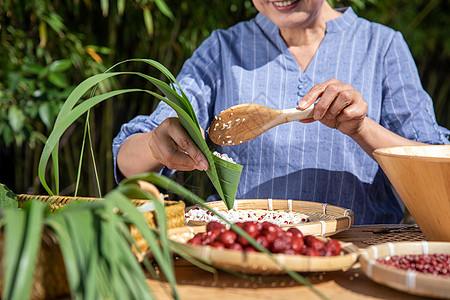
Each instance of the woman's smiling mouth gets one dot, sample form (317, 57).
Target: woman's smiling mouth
(285, 4)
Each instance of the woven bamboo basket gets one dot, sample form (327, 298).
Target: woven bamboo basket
(174, 209)
(412, 282)
(260, 263)
(50, 279)
(325, 219)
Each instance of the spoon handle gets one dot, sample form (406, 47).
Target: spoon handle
(294, 114)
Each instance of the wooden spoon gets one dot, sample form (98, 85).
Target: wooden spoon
(243, 122)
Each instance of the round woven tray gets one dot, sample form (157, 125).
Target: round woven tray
(325, 219)
(260, 263)
(407, 281)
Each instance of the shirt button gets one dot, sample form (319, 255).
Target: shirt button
(302, 85)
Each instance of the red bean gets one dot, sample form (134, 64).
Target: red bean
(436, 264)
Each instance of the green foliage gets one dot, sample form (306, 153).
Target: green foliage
(7, 197)
(95, 242)
(41, 59)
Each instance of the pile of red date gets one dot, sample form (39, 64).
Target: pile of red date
(269, 236)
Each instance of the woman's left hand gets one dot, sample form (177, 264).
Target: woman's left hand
(340, 106)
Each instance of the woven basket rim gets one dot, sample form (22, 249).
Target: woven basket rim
(260, 263)
(341, 220)
(412, 282)
(55, 198)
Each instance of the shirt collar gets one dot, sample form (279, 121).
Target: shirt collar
(347, 18)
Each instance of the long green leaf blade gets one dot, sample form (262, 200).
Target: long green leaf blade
(171, 185)
(162, 256)
(225, 180)
(23, 241)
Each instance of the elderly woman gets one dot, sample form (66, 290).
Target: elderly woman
(361, 76)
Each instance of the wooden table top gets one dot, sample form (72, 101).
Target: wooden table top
(194, 283)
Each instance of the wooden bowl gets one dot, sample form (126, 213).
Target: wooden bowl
(407, 281)
(261, 263)
(325, 219)
(421, 176)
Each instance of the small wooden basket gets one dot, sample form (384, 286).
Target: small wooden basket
(407, 281)
(260, 263)
(325, 219)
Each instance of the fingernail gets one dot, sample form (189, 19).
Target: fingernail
(316, 115)
(204, 165)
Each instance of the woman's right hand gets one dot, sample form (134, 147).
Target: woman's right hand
(171, 145)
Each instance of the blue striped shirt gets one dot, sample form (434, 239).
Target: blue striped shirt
(250, 62)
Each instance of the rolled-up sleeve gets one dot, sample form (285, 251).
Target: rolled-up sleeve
(140, 124)
(407, 108)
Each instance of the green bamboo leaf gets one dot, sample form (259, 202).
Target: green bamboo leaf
(14, 231)
(59, 66)
(162, 256)
(147, 264)
(42, 33)
(55, 21)
(131, 274)
(105, 267)
(225, 180)
(59, 225)
(162, 6)
(171, 185)
(165, 183)
(23, 239)
(148, 20)
(7, 197)
(193, 257)
(201, 262)
(70, 102)
(45, 113)
(227, 173)
(120, 7)
(33, 69)
(172, 79)
(105, 7)
(58, 79)
(62, 125)
(104, 282)
(110, 242)
(80, 228)
(16, 118)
